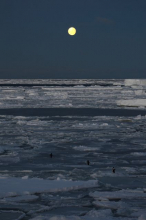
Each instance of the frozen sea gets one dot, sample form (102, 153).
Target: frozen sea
(103, 121)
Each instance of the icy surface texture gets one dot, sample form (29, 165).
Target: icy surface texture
(36, 186)
(41, 187)
(73, 93)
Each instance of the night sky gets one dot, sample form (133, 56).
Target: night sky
(110, 41)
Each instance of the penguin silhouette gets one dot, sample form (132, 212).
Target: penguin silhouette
(51, 155)
(88, 162)
(114, 170)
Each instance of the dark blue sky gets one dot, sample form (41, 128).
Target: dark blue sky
(110, 40)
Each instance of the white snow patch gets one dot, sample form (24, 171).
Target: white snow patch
(132, 102)
(25, 177)
(137, 82)
(85, 148)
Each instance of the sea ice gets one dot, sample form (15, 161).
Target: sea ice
(110, 204)
(92, 215)
(130, 82)
(121, 194)
(85, 148)
(17, 186)
(132, 102)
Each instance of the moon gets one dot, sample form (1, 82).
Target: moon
(72, 31)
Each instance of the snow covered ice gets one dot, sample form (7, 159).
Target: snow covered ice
(34, 186)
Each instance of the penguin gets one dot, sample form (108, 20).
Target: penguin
(51, 155)
(114, 170)
(88, 162)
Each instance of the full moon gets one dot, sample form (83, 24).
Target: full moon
(72, 31)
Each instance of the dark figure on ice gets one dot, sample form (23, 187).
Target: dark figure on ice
(51, 155)
(114, 170)
(88, 162)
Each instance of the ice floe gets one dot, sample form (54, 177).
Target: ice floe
(85, 148)
(110, 204)
(17, 186)
(132, 102)
(131, 82)
(121, 194)
(92, 215)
